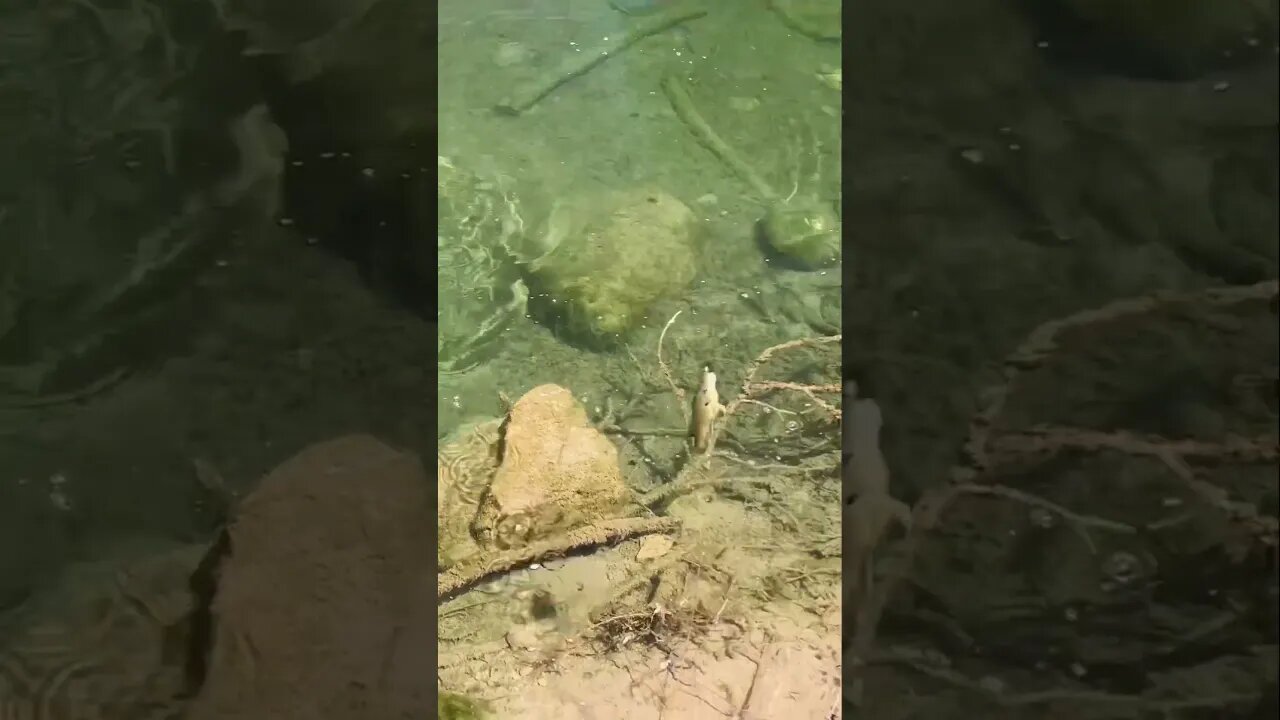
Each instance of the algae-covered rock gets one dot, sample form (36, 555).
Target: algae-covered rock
(609, 259)
(804, 235)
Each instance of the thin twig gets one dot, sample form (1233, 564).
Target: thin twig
(809, 391)
(1080, 523)
(578, 63)
(677, 94)
(984, 452)
(746, 395)
(666, 371)
(749, 384)
(1043, 341)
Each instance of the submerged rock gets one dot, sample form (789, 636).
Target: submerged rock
(608, 260)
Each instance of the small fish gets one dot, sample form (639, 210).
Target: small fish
(706, 409)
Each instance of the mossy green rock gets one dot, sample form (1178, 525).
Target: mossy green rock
(613, 259)
(804, 235)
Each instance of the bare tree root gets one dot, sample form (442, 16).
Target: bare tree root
(677, 93)
(666, 493)
(1046, 440)
(986, 451)
(605, 532)
(750, 393)
(1043, 342)
(753, 390)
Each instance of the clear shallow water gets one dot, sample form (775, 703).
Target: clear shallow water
(613, 130)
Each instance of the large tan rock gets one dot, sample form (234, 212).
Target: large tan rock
(557, 472)
(324, 603)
